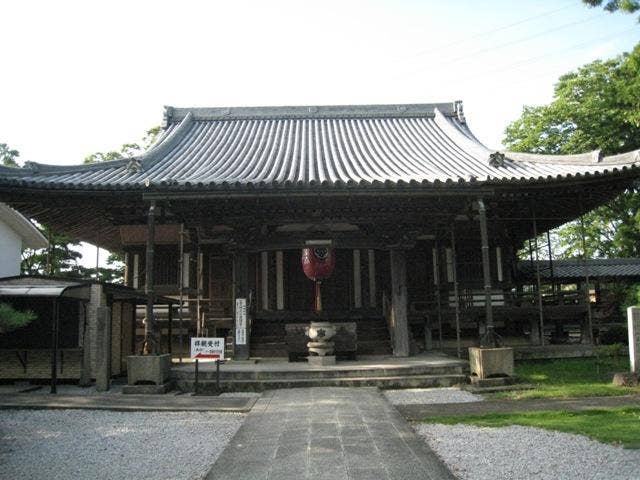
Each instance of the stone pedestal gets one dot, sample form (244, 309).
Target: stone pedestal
(316, 361)
(148, 373)
(321, 346)
(491, 362)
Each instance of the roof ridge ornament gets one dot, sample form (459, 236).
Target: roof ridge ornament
(167, 116)
(134, 165)
(33, 166)
(597, 156)
(459, 111)
(497, 159)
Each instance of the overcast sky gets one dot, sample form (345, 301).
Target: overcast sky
(87, 76)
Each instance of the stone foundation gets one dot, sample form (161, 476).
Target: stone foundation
(491, 362)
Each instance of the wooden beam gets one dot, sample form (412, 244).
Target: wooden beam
(399, 320)
(279, 280)
(488, 338)
(357, 279)
(264, 280)
(150, 330)
(372, 278)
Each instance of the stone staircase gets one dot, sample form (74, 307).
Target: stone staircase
(368, 373)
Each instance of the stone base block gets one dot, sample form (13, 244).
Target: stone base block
(491, 362)
(148, 389)
(148, 369)
(318, 361)
(625, 379)
(491, 382)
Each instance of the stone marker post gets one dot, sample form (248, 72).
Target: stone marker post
(633, 318)
(103, 349)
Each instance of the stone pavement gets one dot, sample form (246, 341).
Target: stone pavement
(326, 433)
(418, 412)
(128, 403)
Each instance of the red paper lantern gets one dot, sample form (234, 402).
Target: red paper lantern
(318, 262)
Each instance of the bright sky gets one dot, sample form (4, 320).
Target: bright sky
(80, 77)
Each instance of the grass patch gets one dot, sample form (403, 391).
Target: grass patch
(618, 426)
(569, 377)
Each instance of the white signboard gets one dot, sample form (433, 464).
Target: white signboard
(241, 321)
(633, 317)
(207, 348)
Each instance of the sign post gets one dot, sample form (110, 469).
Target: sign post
(207, 349)
(633, 319)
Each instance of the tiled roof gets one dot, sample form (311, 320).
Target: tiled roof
(307, 147)
(576, 269)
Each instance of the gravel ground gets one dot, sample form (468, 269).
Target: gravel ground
(430, 395)
(518, 452)
(79, 444)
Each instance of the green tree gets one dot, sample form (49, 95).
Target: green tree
(12, 319)
(126, 150)
(597, 106)
(59, 259)
(8, 156)
(627, 6)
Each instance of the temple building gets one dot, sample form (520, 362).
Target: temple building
(425, 222)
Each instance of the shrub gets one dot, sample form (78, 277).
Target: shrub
(615, 334)
(12, 319)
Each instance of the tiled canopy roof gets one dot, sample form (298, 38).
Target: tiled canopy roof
(333, 146)
(576, 269)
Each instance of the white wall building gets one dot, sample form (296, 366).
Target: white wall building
(16, 234)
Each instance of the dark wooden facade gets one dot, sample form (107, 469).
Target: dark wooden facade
(425, 220)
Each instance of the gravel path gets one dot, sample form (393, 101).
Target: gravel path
(518, 452)
(78, 444)
(424, 396)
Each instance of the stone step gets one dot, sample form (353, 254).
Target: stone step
(411, 381)
(329, 373)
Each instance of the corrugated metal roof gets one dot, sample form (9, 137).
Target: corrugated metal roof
(306, 146)
(576, 269)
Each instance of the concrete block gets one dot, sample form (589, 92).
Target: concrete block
(491, 362)
(145, 369)
(317, 361)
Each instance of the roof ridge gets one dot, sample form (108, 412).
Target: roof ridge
(459, 137)
(174, 115)
(594, 157)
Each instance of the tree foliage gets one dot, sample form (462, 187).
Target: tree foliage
(595, 107)
(627, 6)
(8, 156)
(126, 150)
(61, 258)
(12, 319)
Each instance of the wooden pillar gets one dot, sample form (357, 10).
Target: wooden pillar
(242, 321)
(372, 279)
(435, 253)
(264, 280)
(587, 336)
(54, 346)
(357, 280)
(279, 280)
(170, 329)
(150, 334)
(538, 281)
(399, 319)
(488, 339)
(456, 293)
(135, 278)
